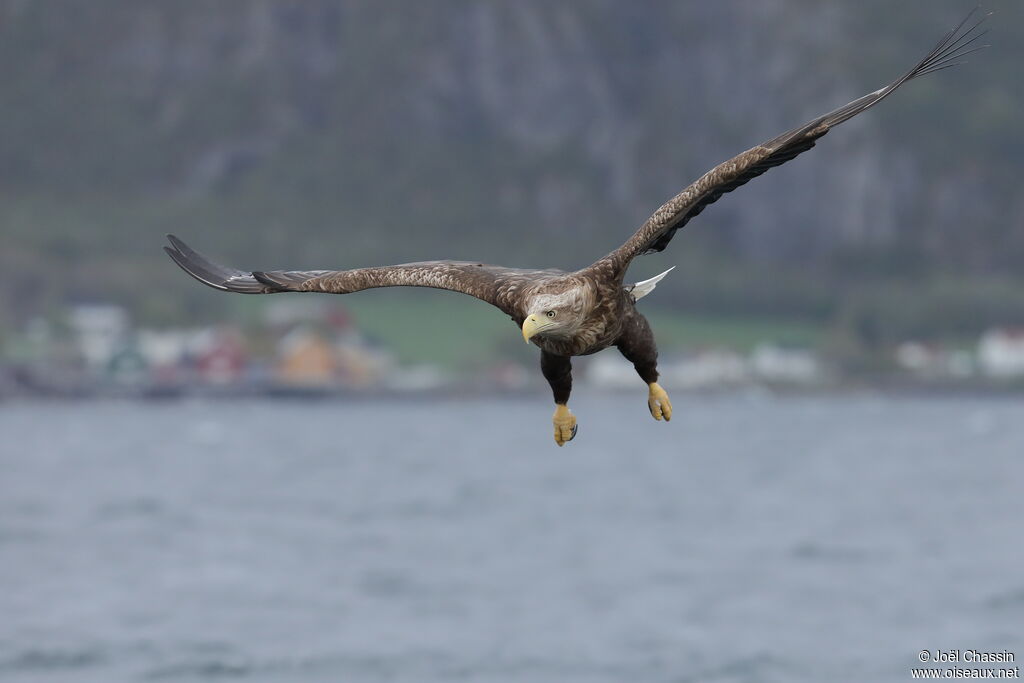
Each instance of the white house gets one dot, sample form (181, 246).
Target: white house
(100, 330)
(1001, 353)
(780, 364)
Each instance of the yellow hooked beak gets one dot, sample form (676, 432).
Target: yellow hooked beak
(531, 326)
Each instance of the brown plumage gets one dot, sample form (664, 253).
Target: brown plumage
(579, 313)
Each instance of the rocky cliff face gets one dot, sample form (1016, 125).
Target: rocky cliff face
(568, 121)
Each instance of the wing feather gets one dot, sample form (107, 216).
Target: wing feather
(496, 285)
(655, 234)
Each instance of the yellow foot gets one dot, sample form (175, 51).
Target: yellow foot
(658, 403)
(565, 424)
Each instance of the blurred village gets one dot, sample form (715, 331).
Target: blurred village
(308, 134)
(310, 352)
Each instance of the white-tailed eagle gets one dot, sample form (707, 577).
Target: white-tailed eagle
(579, 313)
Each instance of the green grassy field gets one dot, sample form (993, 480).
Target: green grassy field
(445, 328)
(453, 330)
(675, 330)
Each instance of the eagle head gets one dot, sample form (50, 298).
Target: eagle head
(558, 314)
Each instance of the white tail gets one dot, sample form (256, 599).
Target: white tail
(642, 289)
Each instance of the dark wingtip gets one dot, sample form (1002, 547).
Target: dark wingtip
(956, 44)
(178, 244)
(210, 273)
(207, 278)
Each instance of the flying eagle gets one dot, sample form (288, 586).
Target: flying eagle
(579, 313)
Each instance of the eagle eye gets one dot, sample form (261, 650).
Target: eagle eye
(550, 314)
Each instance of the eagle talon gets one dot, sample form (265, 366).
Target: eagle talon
(658, 402)
(565, 425)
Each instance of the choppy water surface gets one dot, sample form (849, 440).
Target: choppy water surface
(752, 539)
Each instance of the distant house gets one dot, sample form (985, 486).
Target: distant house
(711, 368)
(100, 331)
(360, 366)
(917, 357)
(782, 364)
(220, 357)
(166, 352)
(1001, 353)
(929, 360)
(305, 359)
(126, 366)
(163, 348)
(707, 369)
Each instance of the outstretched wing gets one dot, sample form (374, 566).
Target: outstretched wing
(655, 234)
(496, 285)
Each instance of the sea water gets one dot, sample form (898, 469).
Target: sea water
(753, 538)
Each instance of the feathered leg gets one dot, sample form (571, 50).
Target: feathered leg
(637, 345)
(558, 372)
